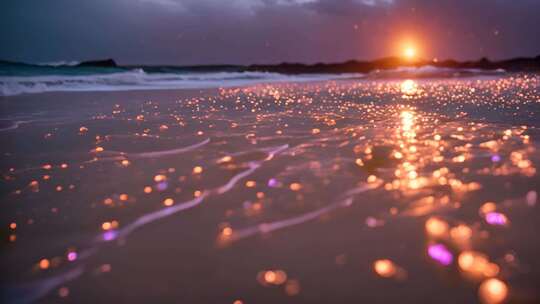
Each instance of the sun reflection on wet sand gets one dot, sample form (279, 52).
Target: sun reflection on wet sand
(409, 88)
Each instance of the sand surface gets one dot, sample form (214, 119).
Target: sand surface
(283, 193)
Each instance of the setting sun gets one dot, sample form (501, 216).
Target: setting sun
(408, 47)
(409, 52)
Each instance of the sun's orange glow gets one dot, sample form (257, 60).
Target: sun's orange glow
(409, 52)
(408, 47)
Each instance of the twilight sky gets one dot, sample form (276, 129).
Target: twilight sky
(264, 31)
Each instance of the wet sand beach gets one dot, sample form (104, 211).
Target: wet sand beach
(372, 191)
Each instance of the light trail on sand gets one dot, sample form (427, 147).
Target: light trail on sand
(36, 290)
(153, 154)
(268, 227)
(168, 211)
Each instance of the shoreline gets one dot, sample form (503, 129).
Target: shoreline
(364, 78)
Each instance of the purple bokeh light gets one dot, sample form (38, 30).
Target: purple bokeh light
(440, 253)
(496, 218)
(110, 235)
(72, 256)
(273, 183)
(162, 186)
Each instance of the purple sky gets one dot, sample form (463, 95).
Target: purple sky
(264, 31)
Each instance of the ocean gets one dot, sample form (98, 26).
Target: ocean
(21, 78)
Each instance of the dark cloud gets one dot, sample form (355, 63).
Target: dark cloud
(263, 31)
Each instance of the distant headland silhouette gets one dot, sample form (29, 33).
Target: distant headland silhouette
(519, 64)
(353, 66)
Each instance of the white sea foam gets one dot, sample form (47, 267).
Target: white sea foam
(137, 79)
(430, 71)
(59, 63)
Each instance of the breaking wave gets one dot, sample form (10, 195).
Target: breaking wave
(138, 79)
(54, 78)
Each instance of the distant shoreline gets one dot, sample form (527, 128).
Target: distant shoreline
(523, 64)
(518, 64)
